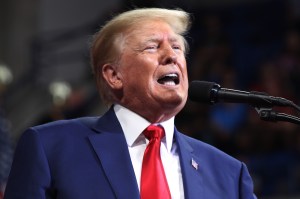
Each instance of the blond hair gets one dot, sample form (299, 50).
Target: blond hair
(106, 43)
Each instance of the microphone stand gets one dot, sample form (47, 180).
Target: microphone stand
(267, 114)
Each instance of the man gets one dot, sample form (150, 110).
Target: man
(139, 63)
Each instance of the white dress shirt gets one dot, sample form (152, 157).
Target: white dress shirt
(133, 125)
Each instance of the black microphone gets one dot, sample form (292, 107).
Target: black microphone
(210, 92)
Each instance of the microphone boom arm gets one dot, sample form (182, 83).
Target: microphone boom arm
(267, 114)
(210, 92)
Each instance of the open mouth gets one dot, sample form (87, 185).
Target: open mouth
(171, 79)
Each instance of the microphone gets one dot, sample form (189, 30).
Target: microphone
(210, 92)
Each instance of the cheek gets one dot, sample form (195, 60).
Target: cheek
(183, 67)
(144, 66)
(182, 61)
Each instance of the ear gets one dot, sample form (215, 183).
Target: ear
(112, 76)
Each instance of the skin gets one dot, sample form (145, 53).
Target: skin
(151, 49)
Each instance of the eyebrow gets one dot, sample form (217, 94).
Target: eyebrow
(157, 38)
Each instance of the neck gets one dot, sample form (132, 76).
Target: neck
(154, 115)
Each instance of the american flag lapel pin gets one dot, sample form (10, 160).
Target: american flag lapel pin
(194, 164)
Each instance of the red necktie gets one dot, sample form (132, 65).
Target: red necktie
(154, 184)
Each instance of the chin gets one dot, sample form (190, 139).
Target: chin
(175, 103)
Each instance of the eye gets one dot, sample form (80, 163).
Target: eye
(176, 47)
(151, 48)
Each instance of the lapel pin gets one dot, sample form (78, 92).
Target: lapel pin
(194, 164)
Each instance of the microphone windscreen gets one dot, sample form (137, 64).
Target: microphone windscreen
(200, 91)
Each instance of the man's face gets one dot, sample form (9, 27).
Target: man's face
(153, 70)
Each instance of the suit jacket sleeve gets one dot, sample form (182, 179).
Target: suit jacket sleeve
(246, 184)
(30, 174)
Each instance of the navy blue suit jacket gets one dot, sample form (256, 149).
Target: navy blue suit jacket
(88, 158)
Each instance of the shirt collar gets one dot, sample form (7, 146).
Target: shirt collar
(133, 125)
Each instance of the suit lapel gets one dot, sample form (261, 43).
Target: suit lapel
(111, 148)
(190, 168)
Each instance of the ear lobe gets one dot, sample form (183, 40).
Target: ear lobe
(112, 76)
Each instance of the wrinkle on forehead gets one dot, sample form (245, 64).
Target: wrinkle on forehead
(152, 33)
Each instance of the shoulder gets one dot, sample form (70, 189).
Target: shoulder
(209, 152)
(60, 135)
(83, 122)
(62, 129)
(224, 175)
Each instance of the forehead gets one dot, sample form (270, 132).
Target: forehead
(152, 29)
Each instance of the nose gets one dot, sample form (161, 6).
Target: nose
(169, 56)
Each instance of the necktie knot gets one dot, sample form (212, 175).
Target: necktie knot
(154, 132)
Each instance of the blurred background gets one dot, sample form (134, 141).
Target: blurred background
(45, 75)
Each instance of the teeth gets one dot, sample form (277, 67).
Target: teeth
(170, 79)
(171, 83)
(171, 75)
